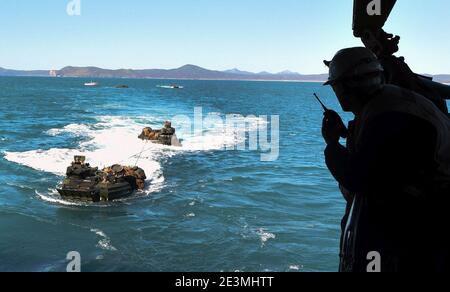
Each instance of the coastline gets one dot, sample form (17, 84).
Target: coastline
(181, 79)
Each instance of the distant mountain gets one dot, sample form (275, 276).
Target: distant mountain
(7, 72)
(184, 72)
(95, 72)
(287, 72)
(237, 71)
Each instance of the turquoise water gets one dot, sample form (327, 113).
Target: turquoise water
(205, 208)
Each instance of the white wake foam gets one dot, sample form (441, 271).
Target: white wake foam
(52, 197)
(220, 135)
(105, 242)
(265, 236)
(113, 140)
(74, 129)
(109, 142)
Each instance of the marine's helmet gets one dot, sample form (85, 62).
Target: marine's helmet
(352, 63)
(78, 159)
(117, 168)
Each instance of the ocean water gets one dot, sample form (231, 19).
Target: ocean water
(205, 208)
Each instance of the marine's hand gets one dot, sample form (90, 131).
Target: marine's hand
(333, 127)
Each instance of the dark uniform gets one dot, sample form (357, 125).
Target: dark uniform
(398, 73)
(388, 176)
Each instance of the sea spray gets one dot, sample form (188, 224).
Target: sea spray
(113, 140)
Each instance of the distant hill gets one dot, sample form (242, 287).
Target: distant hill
(237, 71)
(7, 72)
(184, 72)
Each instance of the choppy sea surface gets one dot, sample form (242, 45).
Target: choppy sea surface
(205, 208)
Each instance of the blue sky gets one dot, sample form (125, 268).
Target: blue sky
(255, 35)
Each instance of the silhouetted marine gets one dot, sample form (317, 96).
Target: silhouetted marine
(165, 136)
(394, 171)
(86, 183)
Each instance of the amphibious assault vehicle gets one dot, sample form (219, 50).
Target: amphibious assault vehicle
(165, 136)
(86, 183)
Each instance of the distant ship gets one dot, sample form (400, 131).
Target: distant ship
(173, 86)
(91, 84)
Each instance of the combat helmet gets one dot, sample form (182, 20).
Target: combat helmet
(352, 62)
